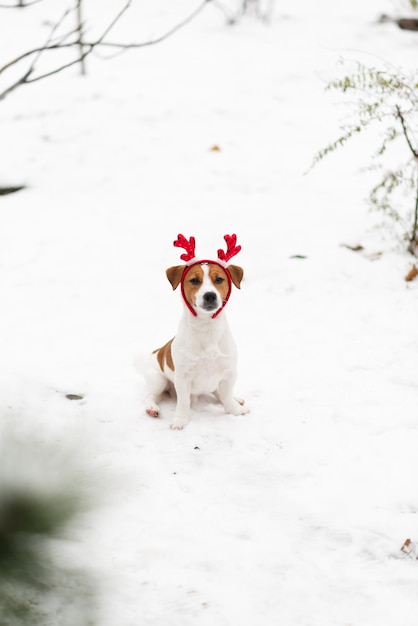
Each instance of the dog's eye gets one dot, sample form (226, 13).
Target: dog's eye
(219, 280)
(194, 281)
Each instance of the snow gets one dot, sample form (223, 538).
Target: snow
(295, 513)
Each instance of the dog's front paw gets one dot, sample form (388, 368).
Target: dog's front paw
(237, 408)
(179, 423)
(153, 410)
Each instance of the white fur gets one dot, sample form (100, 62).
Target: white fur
(205, 361)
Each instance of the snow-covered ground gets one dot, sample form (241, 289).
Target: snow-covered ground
(295, 513)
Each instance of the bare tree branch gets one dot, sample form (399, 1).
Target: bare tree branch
(80, 35)
(25, 79)
(49, 39)
(405, 132)
(161, 38)
(87, 47)
(47, 46)
(59, 44)
(26, 76)
(19, 6)
(414, 232)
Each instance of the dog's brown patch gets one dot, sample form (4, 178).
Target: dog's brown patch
(219, 279)
(164, 356)
(192, 283)
(237, 274)
(174, 275)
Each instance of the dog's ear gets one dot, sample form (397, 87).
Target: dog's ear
(174, 275)
(236, 274)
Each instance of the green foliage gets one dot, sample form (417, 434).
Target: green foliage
(39, 505)
(386, 100)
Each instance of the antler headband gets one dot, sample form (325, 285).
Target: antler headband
(189, 246)
(223, 257)
(231, 248)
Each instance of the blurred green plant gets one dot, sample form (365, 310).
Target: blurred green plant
(38, 586)
(387, 100)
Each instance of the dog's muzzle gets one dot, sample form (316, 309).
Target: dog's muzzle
(210, 301)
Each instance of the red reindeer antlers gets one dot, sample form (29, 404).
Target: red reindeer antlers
(188, 245)
(231, 248)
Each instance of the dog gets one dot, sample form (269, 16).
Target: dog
(202, 357)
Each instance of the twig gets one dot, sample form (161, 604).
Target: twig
(80, 37)
(49, 38)
(25, 79)
(46, 47)
(159, 39)
(88, 48)
(413, 237)
(405, 132)
(26, 76)
(19, 6)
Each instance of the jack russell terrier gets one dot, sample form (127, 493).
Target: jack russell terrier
(202, 357)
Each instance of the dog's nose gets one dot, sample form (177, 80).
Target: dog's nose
(209, 297)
